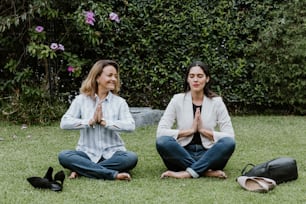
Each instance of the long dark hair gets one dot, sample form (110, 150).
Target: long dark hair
(205, 68)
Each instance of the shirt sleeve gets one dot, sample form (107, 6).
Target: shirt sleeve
(72, 120)
(224, 123)
(167, 121)
(125, 121)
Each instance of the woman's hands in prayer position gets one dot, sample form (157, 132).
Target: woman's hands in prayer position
(98, 116)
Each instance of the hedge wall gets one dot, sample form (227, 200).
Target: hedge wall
(256, 51)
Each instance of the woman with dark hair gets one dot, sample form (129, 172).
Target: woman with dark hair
(100, 114)
(195, 148)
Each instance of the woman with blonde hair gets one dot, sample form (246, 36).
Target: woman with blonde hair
(100, 114)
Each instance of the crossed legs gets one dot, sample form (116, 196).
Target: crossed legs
(114, 168)
(194, 161)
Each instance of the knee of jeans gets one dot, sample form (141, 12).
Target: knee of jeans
(229, 142)
(133, 157)
(62, 156)
(162, 141)
(130, 161)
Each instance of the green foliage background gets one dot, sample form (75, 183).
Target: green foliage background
(256, 51)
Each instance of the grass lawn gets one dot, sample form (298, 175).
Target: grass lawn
(29, 152)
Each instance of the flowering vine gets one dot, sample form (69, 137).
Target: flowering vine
(73, 62)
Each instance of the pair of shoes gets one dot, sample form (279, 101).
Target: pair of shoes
(47, 181)
(256, 184)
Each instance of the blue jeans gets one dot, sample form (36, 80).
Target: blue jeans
(78, 161)
(194, 158)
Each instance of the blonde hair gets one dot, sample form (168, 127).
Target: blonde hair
(90, 86)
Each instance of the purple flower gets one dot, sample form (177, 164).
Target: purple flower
(90, 22)
(90, 17)
(57, 46)
(70, 69)
(61, 47)
(39, 29)
(90, 14)
(54, 46)
(114, 17)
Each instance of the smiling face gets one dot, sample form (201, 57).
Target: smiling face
(197, 79)
(108, 79)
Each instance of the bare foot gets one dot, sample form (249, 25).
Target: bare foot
(174, 174)
(215, 173)
(73, 175)
(123, 176)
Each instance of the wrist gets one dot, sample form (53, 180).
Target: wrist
(102, 122)
(91, 122)
(203, 132)
(208, 134)
(192, 131)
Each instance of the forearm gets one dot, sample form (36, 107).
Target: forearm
(126, 125)
(207, 133)
(185, 133)
(69, 123)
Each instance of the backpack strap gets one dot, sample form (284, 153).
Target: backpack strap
(245, 168)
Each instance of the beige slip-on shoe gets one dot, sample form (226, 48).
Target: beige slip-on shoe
(253, 185)
(270, 182)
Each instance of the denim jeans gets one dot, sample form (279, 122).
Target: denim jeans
(78, 161)
(194, 158)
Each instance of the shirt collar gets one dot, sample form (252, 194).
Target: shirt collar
(108, 97)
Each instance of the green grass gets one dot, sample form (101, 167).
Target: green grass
(259, 138)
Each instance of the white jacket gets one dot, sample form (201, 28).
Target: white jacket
(179, 113)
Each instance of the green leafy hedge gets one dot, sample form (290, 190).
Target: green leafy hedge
(280, 55)
(256, 51)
